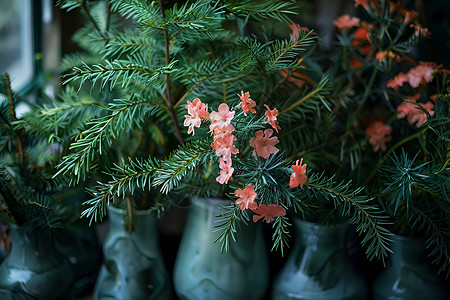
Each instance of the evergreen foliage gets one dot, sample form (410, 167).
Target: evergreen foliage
(143, 60)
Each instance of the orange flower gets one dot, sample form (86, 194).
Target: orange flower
(268, 212)
(263, 144)
(346, 22)
(356, 63)
(299, 177)
(381, 55)
(247, 103)
(247, 197)
(379, 134)
(272, 117)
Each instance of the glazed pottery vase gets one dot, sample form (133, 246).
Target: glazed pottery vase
(201, 271)
(133, 266)
(409, 275)
(318, 266)
(78, 244)
(34, 268)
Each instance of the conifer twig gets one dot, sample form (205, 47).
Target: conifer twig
(169, 100)
(14, 117)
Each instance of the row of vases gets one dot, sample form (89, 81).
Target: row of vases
(133, 268)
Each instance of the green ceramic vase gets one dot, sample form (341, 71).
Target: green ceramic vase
(78, 243)
(318, 267)
(34, 269)
(202, 272)
(133, 266)
(409, 275)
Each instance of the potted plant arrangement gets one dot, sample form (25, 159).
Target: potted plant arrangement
(33, 206)
(391, 135)
(222, 71)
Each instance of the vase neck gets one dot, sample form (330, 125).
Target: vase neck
(315, 234)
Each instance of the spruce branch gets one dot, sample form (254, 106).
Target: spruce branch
(130, 175)
(107, 128)
(227, 224)
(181, 164)
(371, 224)
(115, 71)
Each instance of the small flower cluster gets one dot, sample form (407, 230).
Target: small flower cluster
(263, 144)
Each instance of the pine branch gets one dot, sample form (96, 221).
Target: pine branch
(181, 163)
(371, 224)
(124, 114)
(117, 71)
(281, 235)
(131, 175)
(263, 10)
(227, 223)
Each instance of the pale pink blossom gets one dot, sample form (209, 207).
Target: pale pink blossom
(420, 31)
(219, 132)
(363, 3)
(299, 177)
(226, 170)
(263, 144)
(397, 81)
(197, 112)
(413, 113)
(222, 118)
(224, 146)
(346, 22)
(197, 108)
(247, 103)
(268, 212)
(272, 117)
(247, 197)
(379, 134)
(422, 73)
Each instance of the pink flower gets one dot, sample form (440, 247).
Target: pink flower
(224, 145)
(225, 171)
(247, 103)
(397, 81)
(222, 118)
(379, 134)
(420, 31)
(192, 121)
(299, 177)
(363, 3)
(268, 212)
(422, 73)
(219, 132)
(296, 30)
(197, 112)
(263, 144)
(346, 22)
(197, 108)
(413, 113)
(247, 197)
(272, 117)
(408, 15)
